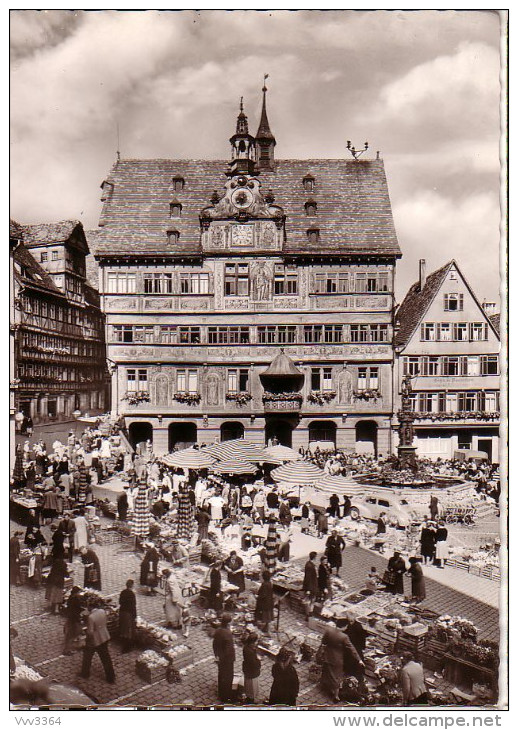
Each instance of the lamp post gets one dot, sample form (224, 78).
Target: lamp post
(406, 450)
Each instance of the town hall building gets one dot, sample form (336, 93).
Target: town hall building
(250, 298)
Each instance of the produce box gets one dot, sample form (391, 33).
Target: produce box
(150, 675)
(108, 537)
(180, 656)
(151, 667)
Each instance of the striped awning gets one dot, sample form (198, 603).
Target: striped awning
(236, 449)
(279, 454)
(298, 473)
(338, 484)
(234, 466)
(189, 459)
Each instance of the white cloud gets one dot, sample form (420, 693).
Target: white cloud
(439, 229)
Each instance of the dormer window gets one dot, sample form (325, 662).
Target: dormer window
(44, 257)
(313, 235)
(178, 184)
(175, 209)
(173, 236)
(309, 183)
(107, 191)
(311, 207)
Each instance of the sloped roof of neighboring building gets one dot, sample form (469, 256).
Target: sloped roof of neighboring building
(495, 321)
(30, 273)
(15, 230)
(354, 214)
(92, 266)
(39, 234)
(416, 303)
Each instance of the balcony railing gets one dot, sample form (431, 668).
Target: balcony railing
(285, 402)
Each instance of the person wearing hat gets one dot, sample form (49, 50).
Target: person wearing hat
(356, 633)
(179, 554)
(251, 667)
(127, 616)
(285, 685)
(396, 566)
(339, 658)
(310, 584)
(215, 595)
(14, 558)
(418, 585)
(223, 648)
(335, 545)
(427, 541)
(235, 570)
(68, 528)
(149, 568)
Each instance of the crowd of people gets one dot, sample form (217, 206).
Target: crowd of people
(60, 527)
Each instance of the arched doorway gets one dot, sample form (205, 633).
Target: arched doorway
(367, 437)
(231, 430)
(139, 433)
(279, 432)
(182, 435)
(323, 435)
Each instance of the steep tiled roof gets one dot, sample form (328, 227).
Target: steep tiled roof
(15, 230)
(495, 321)
(416, 303)
(92, 266)
(29, 273)
(354, 212)
(41, 233)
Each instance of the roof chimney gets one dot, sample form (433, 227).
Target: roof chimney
(422, 273)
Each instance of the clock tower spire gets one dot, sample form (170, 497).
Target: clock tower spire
(243, 146)
(264, 140)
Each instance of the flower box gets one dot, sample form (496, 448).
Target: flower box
(188, 398)
(240, 399)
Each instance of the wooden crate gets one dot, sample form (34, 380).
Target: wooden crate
(108, 537)
(149, 675)
(184, 659)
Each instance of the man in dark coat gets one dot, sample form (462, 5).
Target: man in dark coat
(356, 633)
(396, 565)
(127, 616)
(122, 506)
(58, 542)
(215, 598)
(334, 506)
(339, 658)
(14, 558)
(264, 605)
(272, 499)
(223, 648)
(335, 545)
(310, 584)
(68, 528)
(346, 506)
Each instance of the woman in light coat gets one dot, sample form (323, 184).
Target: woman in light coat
(174, 601)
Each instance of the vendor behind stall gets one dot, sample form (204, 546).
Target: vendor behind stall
(235, 570)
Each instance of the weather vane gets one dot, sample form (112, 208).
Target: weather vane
(264, 81)
(356, 153)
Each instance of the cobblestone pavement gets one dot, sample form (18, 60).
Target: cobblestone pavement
(40, 636)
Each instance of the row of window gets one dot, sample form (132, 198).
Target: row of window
(175, 208)
(58, 373)
(469, 401)
(454, 331)
(238, 379)
(63, 346)
(266, 334)
(60, 313)
(237, 282)
(451, 365)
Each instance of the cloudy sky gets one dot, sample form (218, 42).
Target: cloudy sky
(422, 87)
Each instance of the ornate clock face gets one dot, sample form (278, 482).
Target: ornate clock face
(242, 198)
